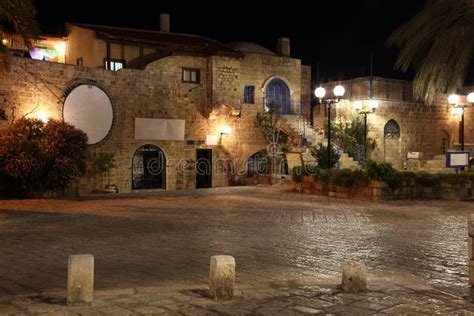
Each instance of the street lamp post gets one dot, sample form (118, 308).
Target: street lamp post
(359, 107)
(458, 109)
(320, 93)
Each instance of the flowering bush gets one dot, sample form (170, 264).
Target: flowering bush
(35, 156)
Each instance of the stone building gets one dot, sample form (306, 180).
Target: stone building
(402, 125)
(177, 110)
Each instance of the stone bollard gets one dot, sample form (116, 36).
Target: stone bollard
(354, 277)
(80, 280)
(222, 277)
(470, 228)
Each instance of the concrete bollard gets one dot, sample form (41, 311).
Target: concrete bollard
(80, 280)
(222, 277)
(354, 277)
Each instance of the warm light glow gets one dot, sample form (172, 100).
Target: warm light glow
(43, 117)
(339, 91)
(358, 105)
(4, 41)
(374, 104)
(453, 99)
(60, 48)
(226, 130)
(212, 140)
(470, 97)
(320, 92)
(457, 111)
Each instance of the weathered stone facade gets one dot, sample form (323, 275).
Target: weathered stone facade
(429, 129)
(158, 92)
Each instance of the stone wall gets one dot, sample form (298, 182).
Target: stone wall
(422, 127)
(380, 191)
(34, 87)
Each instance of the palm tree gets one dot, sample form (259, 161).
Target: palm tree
(438, 42)
(16, 17)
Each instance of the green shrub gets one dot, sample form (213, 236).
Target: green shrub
(320, 153)
(297, 174)
(349, 178)
(469, 174)
(382, 171)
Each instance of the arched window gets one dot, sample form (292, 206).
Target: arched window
(277, 91)
(257, 164)
(392, 129)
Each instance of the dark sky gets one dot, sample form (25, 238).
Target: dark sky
(339, 35)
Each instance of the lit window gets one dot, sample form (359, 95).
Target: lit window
(191, 75)
(249, 95)
(80, 61)
(114, 64)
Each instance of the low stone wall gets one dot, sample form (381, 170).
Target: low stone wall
(379, 191)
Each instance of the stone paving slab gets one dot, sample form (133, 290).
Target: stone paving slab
(279, 238)
(295, 300)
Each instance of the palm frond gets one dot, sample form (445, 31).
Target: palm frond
(17, 17)
(438, 43)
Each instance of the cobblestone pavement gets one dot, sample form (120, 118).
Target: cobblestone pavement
(152, 253)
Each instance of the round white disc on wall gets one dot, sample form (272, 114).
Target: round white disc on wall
(88, 108)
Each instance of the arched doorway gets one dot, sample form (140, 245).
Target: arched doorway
(278, 91)
(149, 168)
(392, 144)
(258, 163)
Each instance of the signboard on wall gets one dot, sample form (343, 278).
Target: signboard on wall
(294, 160)
(159, 129)
(457, 159)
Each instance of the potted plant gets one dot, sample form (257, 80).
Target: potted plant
(104, 163)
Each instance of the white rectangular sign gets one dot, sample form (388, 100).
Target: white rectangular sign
(159, 129)
(457, 159)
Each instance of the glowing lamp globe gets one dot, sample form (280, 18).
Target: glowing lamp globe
(339, 91)
(470, 97)
(357, 105)
(453, 99)
(320, 92)
(374, 104)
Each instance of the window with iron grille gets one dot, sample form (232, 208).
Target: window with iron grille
(191, 75)
(249, 95)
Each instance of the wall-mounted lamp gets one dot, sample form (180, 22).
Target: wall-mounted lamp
(225, 130)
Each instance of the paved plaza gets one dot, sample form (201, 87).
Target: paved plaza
(152, 253)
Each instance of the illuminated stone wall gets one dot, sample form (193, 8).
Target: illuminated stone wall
(37, 88)
(422, 127)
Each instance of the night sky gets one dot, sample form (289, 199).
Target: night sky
(339, 35)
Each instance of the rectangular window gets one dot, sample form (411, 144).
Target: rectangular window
(249, 95)
(114, 64)
(80, 61)
(191, 75)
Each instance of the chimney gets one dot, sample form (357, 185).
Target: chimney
(165, 22)
(283, 47)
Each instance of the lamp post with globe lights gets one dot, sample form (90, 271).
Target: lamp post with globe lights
(458, 108)
(359, 107)
(320, 93)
